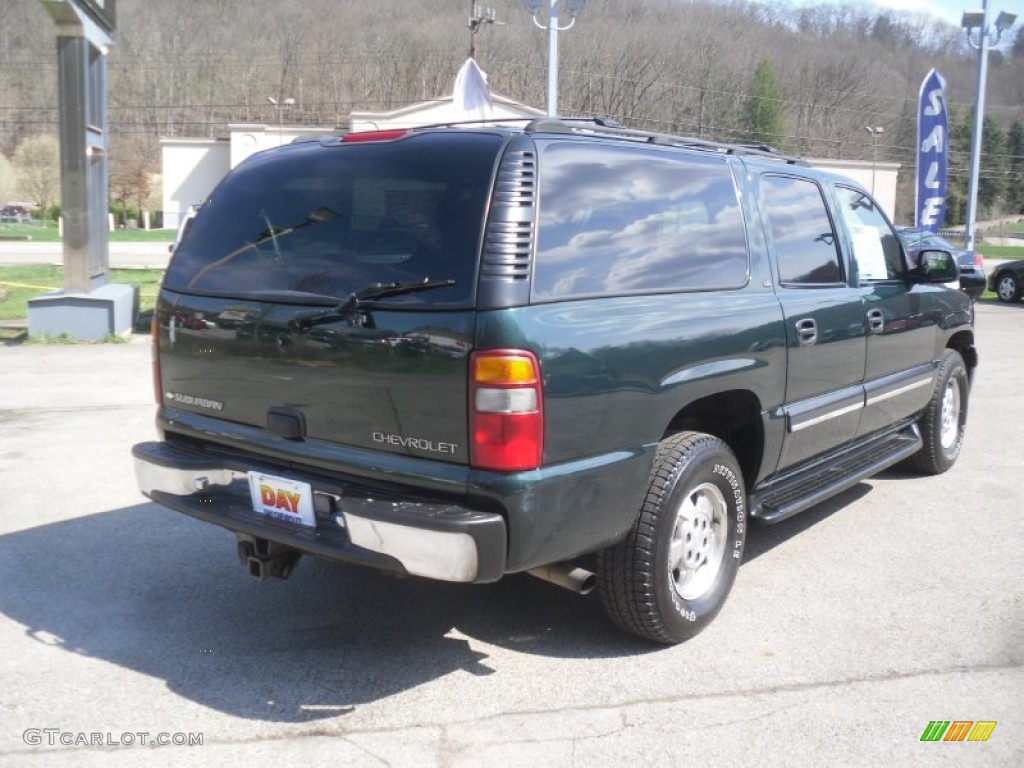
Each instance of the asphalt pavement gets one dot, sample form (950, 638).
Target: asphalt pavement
(851, 626)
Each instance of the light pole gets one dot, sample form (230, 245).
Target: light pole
(971, 21)
(575, 7)
(875, 131)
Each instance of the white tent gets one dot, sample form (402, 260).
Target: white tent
(472, 97)
(471, 100)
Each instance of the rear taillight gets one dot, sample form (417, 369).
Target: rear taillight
(154, 330)
(506, 410)
(978, 261)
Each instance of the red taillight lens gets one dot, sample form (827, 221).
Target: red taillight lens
(506, 410)
(979, 262)
(348, 138)
(154, 330)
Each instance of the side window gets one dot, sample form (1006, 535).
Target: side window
(876, 251)
(624, 219)
(803, 239)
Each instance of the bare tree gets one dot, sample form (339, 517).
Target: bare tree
(37, 165)
(8, 180)
(129, 176)
(186, 68)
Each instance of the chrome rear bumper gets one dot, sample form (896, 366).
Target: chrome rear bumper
(422, 538)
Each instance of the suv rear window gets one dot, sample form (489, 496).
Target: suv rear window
(332, 220)
(623, 219)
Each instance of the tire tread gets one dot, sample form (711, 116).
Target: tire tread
(626, 570)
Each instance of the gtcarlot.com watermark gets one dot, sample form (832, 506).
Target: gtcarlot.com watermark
(52, 737)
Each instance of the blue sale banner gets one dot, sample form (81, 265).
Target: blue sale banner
(932, 153)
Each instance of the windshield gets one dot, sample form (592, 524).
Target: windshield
(332, 220)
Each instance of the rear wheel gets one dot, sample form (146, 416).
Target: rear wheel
(671, 575)
(1007, 287)
(944, 420)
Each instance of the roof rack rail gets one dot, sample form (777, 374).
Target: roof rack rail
(494, 122)
(610, 127)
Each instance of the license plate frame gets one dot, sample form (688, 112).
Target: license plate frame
(282, 498)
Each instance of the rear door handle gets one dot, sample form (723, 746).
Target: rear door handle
(806, 331)
(876, 321)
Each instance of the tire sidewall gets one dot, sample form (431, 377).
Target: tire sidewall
(954, 369)
(710, 463)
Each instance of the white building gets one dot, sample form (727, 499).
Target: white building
(879, 178)
(193, 167)
(437, 113)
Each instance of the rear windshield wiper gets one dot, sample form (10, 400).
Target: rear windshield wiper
(355, 300)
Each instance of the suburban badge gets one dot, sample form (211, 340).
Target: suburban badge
(198, 402)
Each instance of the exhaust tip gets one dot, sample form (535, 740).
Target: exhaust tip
(578, 580)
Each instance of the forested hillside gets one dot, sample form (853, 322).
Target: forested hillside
(190, 67)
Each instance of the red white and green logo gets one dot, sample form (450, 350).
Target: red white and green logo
(958, 730)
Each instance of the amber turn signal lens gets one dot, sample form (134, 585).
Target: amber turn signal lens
(504, 369)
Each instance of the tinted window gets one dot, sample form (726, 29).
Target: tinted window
(919, 240)
(876, 252)
(621, 219)
(331, 220)
(803, 239)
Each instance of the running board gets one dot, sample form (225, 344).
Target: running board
(793, 494)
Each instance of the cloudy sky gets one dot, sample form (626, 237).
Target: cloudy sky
(948, 10)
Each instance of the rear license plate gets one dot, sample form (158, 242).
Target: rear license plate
(282, 499)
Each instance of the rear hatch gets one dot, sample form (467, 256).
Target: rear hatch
(326, 292)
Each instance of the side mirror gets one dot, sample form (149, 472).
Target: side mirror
(935, 267)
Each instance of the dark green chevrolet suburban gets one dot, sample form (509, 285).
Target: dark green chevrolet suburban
(561, 347)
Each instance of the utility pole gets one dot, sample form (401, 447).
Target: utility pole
(477, 18)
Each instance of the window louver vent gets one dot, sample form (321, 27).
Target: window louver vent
(509, 236)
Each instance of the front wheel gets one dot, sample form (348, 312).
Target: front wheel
(944, 419)
(1007, 287)
(670, 576)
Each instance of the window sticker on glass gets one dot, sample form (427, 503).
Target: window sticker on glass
(867, 249)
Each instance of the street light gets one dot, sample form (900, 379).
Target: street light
(280, 108)
(875, 131)
(575, 7)
(987, 37)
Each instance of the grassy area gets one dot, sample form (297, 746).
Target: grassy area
(22, 283)
(142, 236)
(1001, 251)
(48, 233)
(37, 231)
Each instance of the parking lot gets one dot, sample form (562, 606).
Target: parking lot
(850, 627)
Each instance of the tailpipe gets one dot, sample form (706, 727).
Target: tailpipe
(266, 559)
(570, 577)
